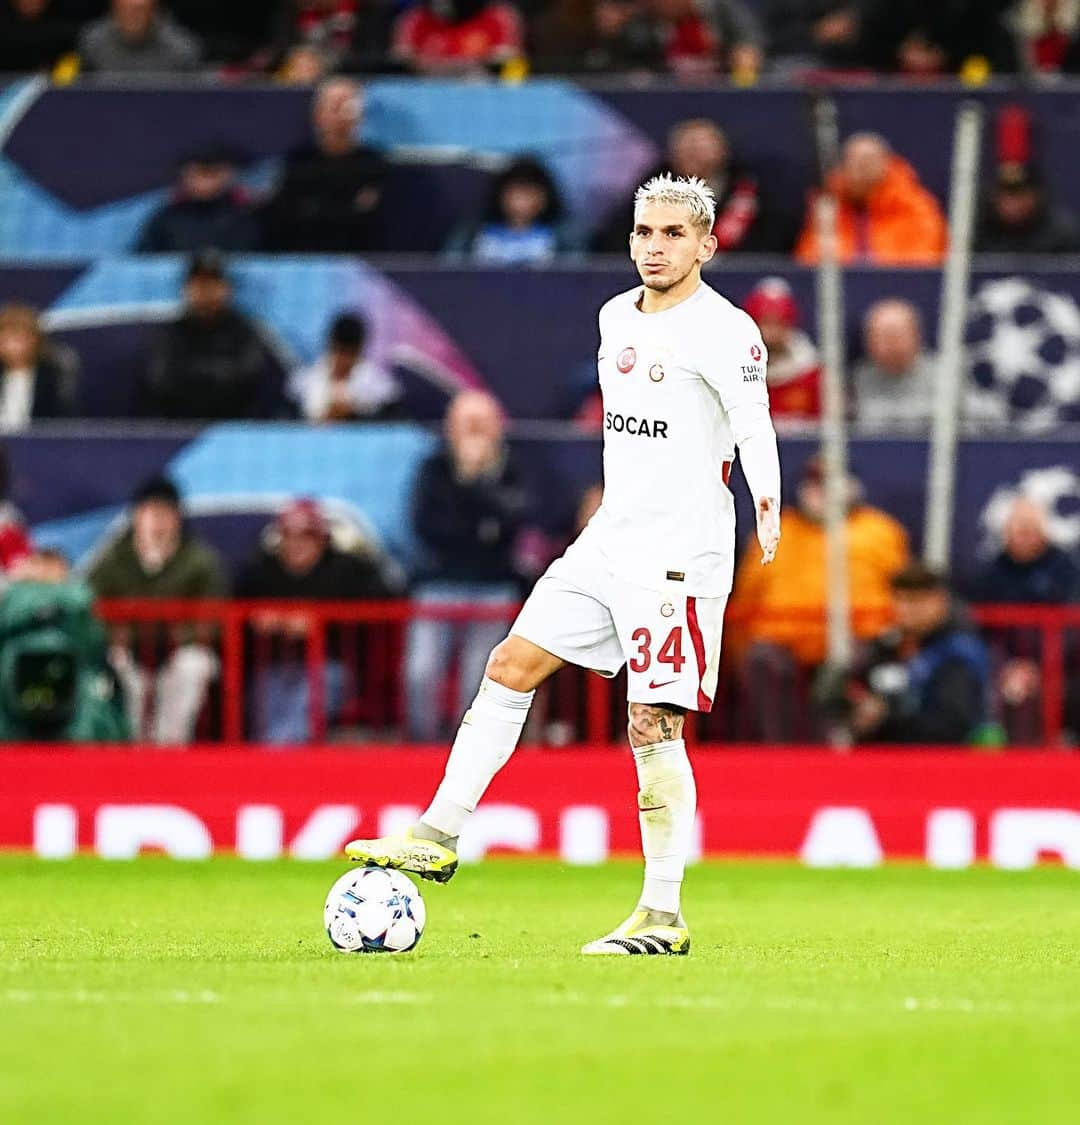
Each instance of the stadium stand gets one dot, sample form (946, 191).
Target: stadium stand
(448, 146)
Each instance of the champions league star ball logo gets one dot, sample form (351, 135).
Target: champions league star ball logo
(1023, 346)
(1055, 488)
(627, 359)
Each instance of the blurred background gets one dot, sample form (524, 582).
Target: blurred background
(297, 356)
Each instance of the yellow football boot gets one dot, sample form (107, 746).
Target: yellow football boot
(638, 935)
(406, 852)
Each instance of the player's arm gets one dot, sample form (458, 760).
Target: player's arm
(760, 460)
(737, 372)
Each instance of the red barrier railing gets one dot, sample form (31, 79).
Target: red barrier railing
(229, 625)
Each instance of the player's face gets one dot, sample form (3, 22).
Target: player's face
(666, 247)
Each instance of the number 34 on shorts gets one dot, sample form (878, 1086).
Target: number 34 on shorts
(673, 651)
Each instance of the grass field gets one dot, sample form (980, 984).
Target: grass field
(198, 994)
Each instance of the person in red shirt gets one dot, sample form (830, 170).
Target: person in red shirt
(456, 36)
(340, 35)
(15, 543)
(702, 40)
(794, 372)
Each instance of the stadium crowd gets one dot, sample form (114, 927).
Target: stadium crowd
(301, 40)
(924, 673)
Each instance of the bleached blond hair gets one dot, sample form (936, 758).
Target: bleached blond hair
(690, 192)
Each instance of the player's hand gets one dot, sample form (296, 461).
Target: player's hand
(768, 528)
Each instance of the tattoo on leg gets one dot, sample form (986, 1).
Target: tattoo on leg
(660, 723)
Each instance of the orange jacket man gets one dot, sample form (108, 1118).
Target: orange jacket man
(885, 215)
(784, 604)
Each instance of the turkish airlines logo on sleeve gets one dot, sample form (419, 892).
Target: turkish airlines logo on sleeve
(755, 353)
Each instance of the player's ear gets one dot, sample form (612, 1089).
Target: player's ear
(630, 244)
(708, 249)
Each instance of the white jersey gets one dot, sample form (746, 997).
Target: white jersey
(668, 381)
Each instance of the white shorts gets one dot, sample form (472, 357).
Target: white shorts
(585, 615)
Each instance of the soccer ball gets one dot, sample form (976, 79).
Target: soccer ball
(369, 910)
(1023, 346)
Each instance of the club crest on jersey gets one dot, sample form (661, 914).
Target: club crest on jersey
(627, 359)
(656, 372)
(755, 353)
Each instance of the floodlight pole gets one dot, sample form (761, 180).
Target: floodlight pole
(941, 479)
(830, 302)
(830, 309)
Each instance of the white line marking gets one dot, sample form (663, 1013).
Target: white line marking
(943, 1005)
(107, 996)
(20, 107)
(390, 998)
(91, 316)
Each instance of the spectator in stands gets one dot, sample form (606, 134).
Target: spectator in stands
(468, 506)
(43, 564)
(208, 210)
(794, 373)
(298, 562)
(1047, 34)
(1028, 570)
(303, 66)
(137, 38)
(885, 216)
(894, 381)
(34, 35)
(928, 38)
(778, 611)
(342, 385)
(457, 36)
(596, 37)
(693, 38)
(15, 543)
(927, 679)
(209, 363)
(330, 196)
(231, 33)
(523, 223)
(1018, 218)
(699, 147)
(701, 38)
(346, 35)
(158, 557)
(38, 379)
(814, 34)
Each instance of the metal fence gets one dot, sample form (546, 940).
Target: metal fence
(343, 665)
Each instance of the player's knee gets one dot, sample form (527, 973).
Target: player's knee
(652, 723)
(505, 667)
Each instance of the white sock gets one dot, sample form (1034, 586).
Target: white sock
(488, 734)
(667, 802)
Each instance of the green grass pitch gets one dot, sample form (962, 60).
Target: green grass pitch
(204, 993)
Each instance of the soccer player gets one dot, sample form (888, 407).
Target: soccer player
(682, 372)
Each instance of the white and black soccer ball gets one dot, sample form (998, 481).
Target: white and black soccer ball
(1023, 346)
(1055, 488)
(369, 910)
